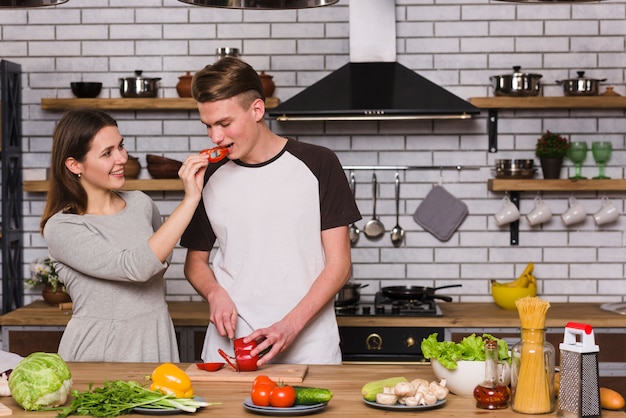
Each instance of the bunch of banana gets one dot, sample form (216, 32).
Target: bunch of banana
(526, 279)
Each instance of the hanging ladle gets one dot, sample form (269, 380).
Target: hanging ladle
(374, 228)
(354, 230)
(397, 233)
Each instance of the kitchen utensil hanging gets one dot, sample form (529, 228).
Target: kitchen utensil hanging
(354, 230)
(397, 233)
(374, 228)
(440, 213)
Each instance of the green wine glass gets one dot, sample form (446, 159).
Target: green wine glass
(577, 153)
(601, 151)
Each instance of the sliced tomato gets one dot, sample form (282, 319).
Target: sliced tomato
(210, 367)
(283, 396)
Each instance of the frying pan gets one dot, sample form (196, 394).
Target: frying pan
(416, 293)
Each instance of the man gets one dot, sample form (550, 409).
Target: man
(279, 212)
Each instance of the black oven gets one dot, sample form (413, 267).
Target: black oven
(386, 343)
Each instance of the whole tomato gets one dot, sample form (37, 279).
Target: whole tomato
(263, 379)
(260, 394)
(283, 396)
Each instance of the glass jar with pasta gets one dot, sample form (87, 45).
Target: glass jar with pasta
(532, 373)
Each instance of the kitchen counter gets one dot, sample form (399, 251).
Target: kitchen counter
(344, 381)
(455, 315)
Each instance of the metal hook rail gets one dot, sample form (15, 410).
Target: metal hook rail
(409, 167)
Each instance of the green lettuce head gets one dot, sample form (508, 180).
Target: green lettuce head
(40, 380)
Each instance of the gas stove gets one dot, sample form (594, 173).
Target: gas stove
(384, 306)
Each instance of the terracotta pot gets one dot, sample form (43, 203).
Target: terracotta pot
(132, 168)
(55, 298)
(268, 84)
(551, 167)
(183, 88)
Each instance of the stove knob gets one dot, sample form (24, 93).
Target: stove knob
(410, 342)
(366, 310)
(395, 309)
(380, 310)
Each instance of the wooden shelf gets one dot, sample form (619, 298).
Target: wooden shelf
(523, 185)
(143, 184)
(564, 102)
(184, 103)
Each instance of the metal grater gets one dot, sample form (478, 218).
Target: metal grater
(579, 389)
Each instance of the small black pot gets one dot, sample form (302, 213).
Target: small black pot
(139, 86)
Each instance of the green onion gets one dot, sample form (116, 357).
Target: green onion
(120, 397)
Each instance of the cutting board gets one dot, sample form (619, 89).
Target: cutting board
(287, 373)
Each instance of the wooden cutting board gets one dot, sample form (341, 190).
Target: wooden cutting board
(287, 373)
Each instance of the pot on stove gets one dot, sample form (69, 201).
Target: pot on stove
(349, 294)
(416, 293)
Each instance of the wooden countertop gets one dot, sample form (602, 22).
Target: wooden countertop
(455, 315)
(345, 381)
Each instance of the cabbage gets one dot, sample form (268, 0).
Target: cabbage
(40, 380)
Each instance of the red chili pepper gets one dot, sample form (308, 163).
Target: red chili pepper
(215, 154)
(242, 361)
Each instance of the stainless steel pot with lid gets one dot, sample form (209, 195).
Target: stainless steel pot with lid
(139, 86)
(516, 84)
(581, 86)
(349, 294)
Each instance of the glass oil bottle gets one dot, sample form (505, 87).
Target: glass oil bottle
(491, 394)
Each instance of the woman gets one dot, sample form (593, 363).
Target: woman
(110, 247)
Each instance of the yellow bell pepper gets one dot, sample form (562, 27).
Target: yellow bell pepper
(170, 379)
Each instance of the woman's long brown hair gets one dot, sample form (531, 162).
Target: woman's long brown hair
(72, 138)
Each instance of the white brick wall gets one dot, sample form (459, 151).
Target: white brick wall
(456, 43)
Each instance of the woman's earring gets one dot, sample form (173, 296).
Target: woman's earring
(79, 175)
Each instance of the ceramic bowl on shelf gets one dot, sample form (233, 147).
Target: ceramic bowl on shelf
(86, 90)
(162, 167)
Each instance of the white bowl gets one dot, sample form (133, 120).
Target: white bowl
(468, 374)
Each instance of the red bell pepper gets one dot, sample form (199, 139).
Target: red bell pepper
(215, 154)
(242, 361)
(210, 367)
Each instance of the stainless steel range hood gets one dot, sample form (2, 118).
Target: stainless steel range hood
(373, 86)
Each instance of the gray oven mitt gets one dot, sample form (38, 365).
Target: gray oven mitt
(440, 213)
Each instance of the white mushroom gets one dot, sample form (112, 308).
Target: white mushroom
(429, 398)
(404, 389)
(386, 399)
(410, 401)
(417, 383)
(439, 389)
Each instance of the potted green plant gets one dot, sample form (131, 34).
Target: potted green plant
(44, 274)
(551, 148)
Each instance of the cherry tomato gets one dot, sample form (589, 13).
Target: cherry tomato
(283, 396)
(263, 379)
(260, 394)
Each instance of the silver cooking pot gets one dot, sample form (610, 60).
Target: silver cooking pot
(516, 84)
(581, 86)
(349, 294)
(139, 86)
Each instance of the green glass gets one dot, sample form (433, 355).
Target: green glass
(601, 153)
(577, 153)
